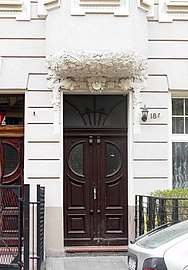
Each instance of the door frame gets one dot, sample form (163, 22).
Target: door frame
(130, 192)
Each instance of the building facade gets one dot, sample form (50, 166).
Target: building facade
(76, 78)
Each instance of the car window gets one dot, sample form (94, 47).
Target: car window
(163, 236)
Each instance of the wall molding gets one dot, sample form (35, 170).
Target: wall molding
(147, 6)
(177, 6)
(11, 5)
(116, 7)
(19, 9)
(1, 63)
(171, 9)
(44, 6)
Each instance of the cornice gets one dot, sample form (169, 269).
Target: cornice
(11, 5)
(173, 9)
(116, 7)
(19, 9)
(147, 6)
(99, 3)
(51, 4)
(177, 6)
(44, 6)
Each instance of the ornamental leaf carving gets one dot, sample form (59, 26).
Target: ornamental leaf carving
(107, 64)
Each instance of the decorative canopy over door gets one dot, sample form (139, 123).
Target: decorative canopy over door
(97, 72)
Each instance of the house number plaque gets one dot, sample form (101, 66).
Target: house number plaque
(155, 115)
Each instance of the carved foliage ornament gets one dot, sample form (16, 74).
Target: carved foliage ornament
(96, 70)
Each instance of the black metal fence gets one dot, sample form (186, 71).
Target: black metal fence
(151, 212)
(11, 227)
(21, 223)
(37, 247)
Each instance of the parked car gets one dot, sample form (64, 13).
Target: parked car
(164, 248)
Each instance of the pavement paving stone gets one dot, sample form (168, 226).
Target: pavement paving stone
(87, 263)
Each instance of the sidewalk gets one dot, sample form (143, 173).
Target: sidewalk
(88, 262)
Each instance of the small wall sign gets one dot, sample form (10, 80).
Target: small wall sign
(155, 115)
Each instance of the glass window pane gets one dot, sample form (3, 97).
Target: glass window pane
(177, 125)
(177, 106)
(113, 159)
(11, 159)
(186, 125)
(11, 109)
(102, 110)
(180, 164)
(75, 159)
(117, 116)
(186, 106)
(72, 116)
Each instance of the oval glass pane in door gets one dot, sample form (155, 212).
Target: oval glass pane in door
(75, 159)
(11, 159)
(113, 159)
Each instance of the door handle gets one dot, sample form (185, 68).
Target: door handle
(90, 139)
(91, 211)
(98, 211)
(94, 193)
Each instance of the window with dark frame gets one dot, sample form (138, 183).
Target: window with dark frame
(11, 110)
(180, 142)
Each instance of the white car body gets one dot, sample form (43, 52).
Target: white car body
(168, 244)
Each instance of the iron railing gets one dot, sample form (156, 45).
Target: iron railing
(21, 223)
(10, 227)
(151, 212)
(37, 245)
(40, 225)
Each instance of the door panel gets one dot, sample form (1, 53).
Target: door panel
(11, 164)
(95, 188)
(77, 225)
(113, 191)
(11, 173)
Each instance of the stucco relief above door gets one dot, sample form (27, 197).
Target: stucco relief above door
(102, 71)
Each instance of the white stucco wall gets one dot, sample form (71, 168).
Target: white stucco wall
(23, 48)
(96, 31)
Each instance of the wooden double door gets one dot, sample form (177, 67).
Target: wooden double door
(95, 187)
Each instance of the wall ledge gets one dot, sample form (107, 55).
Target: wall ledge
(171, 9)
(11, 5)
(116, 7)
(177, 6)
(19, 9)
(147, 6)
(44, 6)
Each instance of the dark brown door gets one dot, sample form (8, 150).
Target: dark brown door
(11, 173)
(95, 187)
(11, 164)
